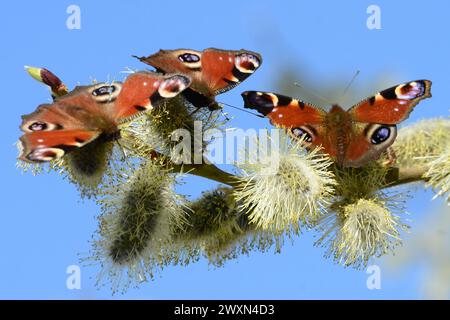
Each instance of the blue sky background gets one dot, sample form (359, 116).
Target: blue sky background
(44, 225)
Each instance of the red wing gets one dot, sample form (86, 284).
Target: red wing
(142, 90)
(367, 142)
(300, 119)
(49, 117)
(71, 122)
(172, 61)
(392, 105)
(41, 146)
(222, 70)
(213, 71)
(359, 151)
(283, 111)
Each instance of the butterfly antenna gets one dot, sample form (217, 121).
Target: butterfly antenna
(243, 110)
(224, 115)
(312, 93)
(351, 81)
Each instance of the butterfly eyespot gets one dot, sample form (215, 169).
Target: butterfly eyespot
(172, 86)
(380, 135)
(32, 126)
(410, 90)
(104, 90)
(106, 93)
(189, 58)
(38, 126)
(301, 133)
(45, 154)
(247, 63)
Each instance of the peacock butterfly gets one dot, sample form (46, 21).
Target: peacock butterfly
(213, 71)
(352, 137)
(93, 112)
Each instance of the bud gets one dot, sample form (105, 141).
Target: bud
(360, 231)
(416, 143)
(140, 213)
(294, 188)
(439, 175)
(45, 76)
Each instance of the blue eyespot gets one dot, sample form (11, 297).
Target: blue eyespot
(38, 126)
(104, 90)
(189, 57)
(380, 135)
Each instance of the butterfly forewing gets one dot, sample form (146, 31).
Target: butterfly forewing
(392, 105)
(212, 71)
(143, 90)
(50, 145)
(222, 70)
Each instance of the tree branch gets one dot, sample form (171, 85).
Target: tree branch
(395, 176)
(398, 176)
(209, 171)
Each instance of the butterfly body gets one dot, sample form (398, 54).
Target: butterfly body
(352, 137)
(92, 112)
(212, 71)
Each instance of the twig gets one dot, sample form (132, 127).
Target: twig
(398, 176)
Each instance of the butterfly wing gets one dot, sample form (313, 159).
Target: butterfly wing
(87, 112)
(141, 91)
(374, 120)
(367, 142)
(54, 129)
(184, 61)
(392, 105)
(212, 71)
(222, 70)
(70, 122)
(298, 118)
(44, 146)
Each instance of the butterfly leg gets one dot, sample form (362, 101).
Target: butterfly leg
(391, 157)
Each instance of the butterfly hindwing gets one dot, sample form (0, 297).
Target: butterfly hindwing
(367, 142)
(41, 146)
